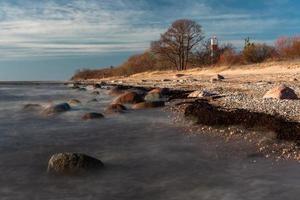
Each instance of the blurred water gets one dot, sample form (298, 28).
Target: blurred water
(145, 154)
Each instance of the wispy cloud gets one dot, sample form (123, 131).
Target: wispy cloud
(51, 28)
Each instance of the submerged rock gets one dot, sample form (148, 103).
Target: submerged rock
(95, 92)
(58, 108)
(72, 163)
(115, 108)
(129, 97)
(32, 107)
(93, 101)
(74, 102)
(281, 92)
(92, 115)
(146, 105)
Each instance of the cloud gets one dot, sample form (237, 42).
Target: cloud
(78, 27)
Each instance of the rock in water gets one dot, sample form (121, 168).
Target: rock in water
(129, 97)
(115, 108)
(92, 115)
(74, 102)
(32, 107)
(156, 94)
(58, 108)
(146, 105)
(116, 91)
(72, 163)
(95, 92)
(281, 92)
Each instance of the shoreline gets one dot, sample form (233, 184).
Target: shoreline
(235, 92)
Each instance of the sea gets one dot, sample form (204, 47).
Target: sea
(147, 156)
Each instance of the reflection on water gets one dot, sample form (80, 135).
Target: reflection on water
(145, 155)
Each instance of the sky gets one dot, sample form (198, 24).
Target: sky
(51, 39)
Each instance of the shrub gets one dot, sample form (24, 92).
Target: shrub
(256, 53)
(229, 57)
(288, 47)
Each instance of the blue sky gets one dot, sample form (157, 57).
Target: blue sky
(49, 40)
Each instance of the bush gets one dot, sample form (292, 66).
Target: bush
(230, 57)
(256, 53)
(288, 47)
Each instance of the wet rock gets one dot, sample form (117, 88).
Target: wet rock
(281, 92)
(95, 93)
(74, 102)
(82, 89)
(92, 115)
(115, 108)
(72, 163)
(32, 107)
(93, 101)
(201, 93)
(129, 98)
(58, 108)
(146, 105)
(115, 91)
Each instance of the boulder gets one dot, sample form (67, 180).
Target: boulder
(201, 94)
(115, 108)
(146, 105)
(115, 91)
(95, 93)
(74, 102)
(57, 108)
(32, 107)
(72, 163)
(129, 98)
(153, 96)
(281, 92)
(92, 115)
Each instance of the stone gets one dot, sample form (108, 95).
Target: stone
(129, 98)
(32, 107)
(217, 77)
(74, 102)
(200, 94)
(57, 108)
(179, 75)
(147, 105)
(115, 108)
(281, 92)
(115, 91)
(95, 93)
(72, 163)
(92, 115)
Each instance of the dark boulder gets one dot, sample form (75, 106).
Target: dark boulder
(57, 108)
(92, 115)
(72, 163)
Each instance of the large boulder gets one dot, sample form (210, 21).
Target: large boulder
(72, 163)
(115, 108)
(57, 108)
(129, 98)
(146, 105)
(281, 92)
(92, 115)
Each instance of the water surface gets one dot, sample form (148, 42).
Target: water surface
(146, 155)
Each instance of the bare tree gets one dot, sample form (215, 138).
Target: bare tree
(178, 42)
